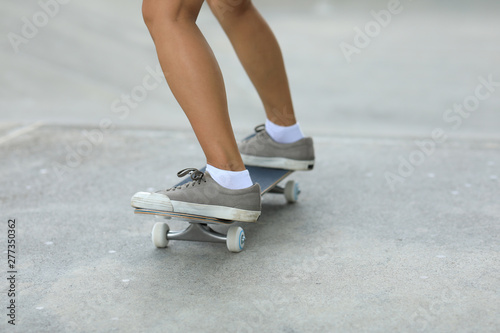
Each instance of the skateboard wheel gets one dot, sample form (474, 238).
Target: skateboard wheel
(235, 240)
(292, 191)
(159, 235)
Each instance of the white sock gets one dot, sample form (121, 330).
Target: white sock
(284, 134)
(233, 180)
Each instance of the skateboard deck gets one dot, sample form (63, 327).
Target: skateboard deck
(198, 230)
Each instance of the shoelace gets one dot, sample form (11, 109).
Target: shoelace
(196, 175)
(260, 128)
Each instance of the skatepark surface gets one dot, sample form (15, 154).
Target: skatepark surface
(396, 228)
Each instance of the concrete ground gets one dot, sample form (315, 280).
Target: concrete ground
(396, 229)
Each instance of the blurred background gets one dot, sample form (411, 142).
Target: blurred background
(89, 54)
(357, 253)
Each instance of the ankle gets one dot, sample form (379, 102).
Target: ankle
(283, 116)
(284, 134)
(234, 180)
(227, 166)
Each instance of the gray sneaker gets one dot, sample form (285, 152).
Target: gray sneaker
(204, 196)
(261, 150)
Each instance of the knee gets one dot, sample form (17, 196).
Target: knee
(229, 8)
(161, 12)
(150, 12)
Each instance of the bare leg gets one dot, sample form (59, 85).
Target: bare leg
(260, 55)
(194, 77)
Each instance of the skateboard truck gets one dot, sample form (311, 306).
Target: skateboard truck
(198, 232)
(291, 191)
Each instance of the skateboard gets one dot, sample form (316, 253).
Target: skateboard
(199, 226)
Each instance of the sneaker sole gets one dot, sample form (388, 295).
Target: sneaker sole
(161, 202)
(277, 162)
